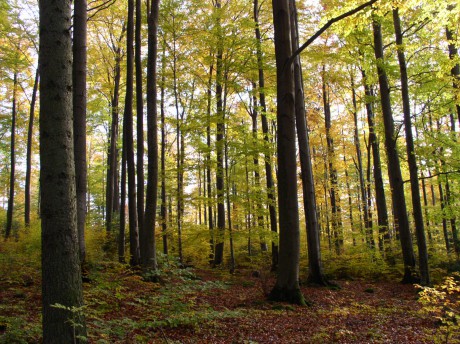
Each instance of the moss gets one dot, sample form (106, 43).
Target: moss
(291, 295)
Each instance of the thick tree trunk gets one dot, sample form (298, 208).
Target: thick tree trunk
(411, 157)
(9, 211)
(61, 274)
(79, 117)
(208, 167)
(149, 260)
(394, 168)
(267, 157)
(315, 271)
(30, 131)
(128, 137)
(287, 282)
(122, 228)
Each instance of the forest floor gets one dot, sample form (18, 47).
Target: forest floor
(213, 306)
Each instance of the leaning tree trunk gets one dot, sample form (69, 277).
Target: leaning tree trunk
(79, 117)
(129, 144)
(29, 150)
(394, 168)
(149, 260)
(315, 272)
(61, 274)
(411, 157)
(267, 157)
(287, 281)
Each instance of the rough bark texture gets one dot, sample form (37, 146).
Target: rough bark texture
(79, 117)
(315, 271)
(30, 131)
(267, 157)
(149, 260)
(411, 157)
(394, 168)
(287, 282)
(61, 277)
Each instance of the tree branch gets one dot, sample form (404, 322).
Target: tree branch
(326, 26)
(434, 175)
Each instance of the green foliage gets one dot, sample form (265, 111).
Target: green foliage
(443, 303)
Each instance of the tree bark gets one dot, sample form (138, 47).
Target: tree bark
(455, 71)
(394, 168)
(315, 271)
(149, 260)
(267, 157)
(61, 274)
(163, 208)
(140, 127)
(219, 240)
(287, 281)
(129, 144)
(79, 117)
(30, 131)
(411, 157)
(10, 209)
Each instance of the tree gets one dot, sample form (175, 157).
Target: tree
(79, 117)
(287, 281)
(61, 278)
(394, 167)
(149, 260)
(411, 157)
(128, 137)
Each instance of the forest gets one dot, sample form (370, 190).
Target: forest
(229, 171)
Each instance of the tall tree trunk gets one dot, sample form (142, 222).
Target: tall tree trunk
(149, 260)
(394, 168)
(163, 208)
(79, 117)
(112, 156)
(267, 157)
(61, 273)
(337, 230)
(380, 200)
(287, 281)
(411, 157)
(122, 228)
(260, 210)
(315, 271)
(128, 137)
(140, 129)
(229, 215)
(362, 185)
(9, 211)
(208, 166)
(30, 131)
(219, 245)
